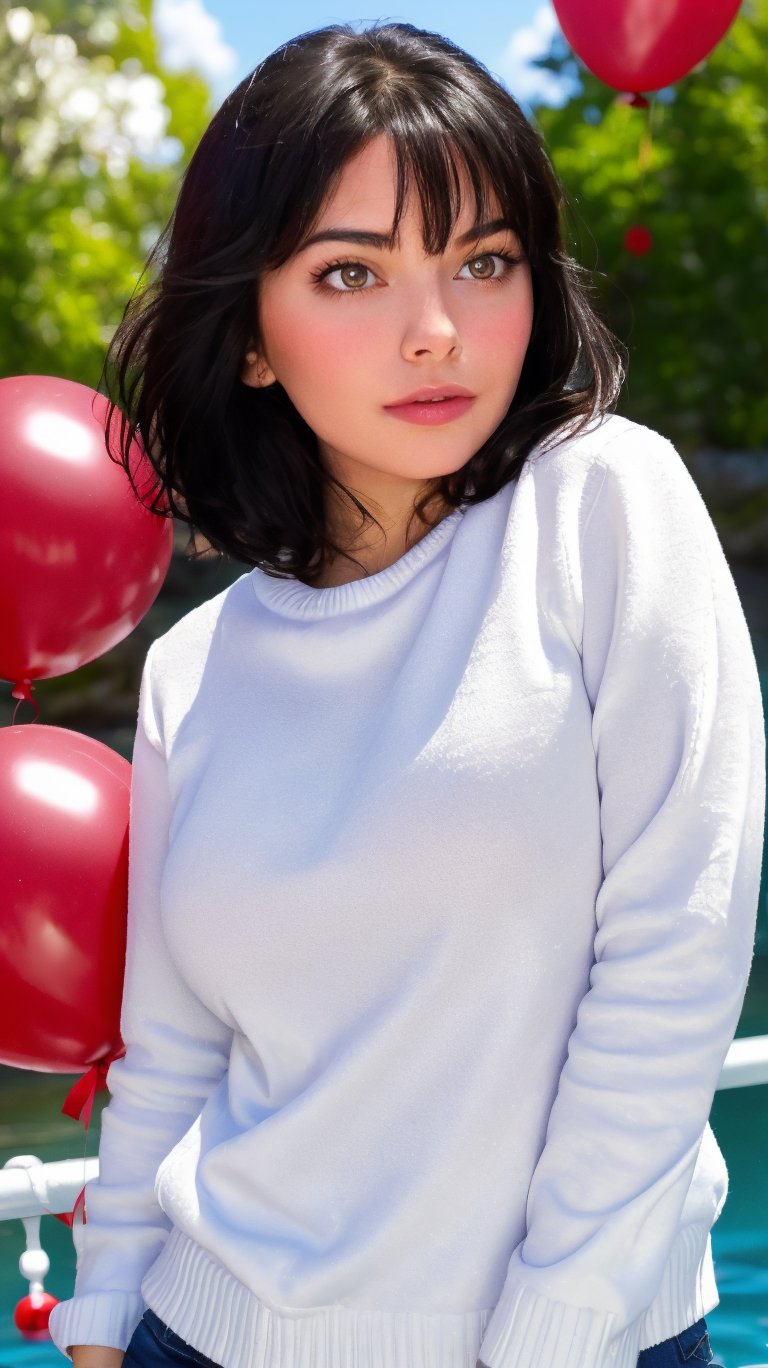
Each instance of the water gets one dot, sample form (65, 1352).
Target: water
(31, 1122)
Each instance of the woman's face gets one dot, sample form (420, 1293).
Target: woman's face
(369, 333)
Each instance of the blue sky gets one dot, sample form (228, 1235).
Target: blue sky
(226, 38)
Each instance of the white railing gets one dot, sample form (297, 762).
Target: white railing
(746, 1063)
(29, 1187)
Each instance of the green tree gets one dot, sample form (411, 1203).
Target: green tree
(94, 135)
(693, 310)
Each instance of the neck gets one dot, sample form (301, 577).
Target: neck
(368, 550)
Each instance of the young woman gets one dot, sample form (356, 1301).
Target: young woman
(447, 814)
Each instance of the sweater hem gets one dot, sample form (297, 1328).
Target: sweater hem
(212, 1310)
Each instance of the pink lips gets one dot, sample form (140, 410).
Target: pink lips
(431, 414)
(433, 405)
(430, 392)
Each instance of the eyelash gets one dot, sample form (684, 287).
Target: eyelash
(318, 276)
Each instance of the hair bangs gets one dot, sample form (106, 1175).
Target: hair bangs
(432, 143)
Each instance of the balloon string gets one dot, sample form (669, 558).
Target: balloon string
(645, 149)
(78, 1104)
(23, 691)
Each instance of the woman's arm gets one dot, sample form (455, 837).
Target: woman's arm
(176, 1051)
(679, 742)
(95, 1356)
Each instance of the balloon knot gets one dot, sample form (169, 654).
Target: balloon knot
(23, 691)
(79, 1099)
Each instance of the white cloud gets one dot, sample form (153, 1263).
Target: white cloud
(528, 82)
(190, 36)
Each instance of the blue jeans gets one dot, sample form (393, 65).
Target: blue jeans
(689, 1346)
(154, 1345)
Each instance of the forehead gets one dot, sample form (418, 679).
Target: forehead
(366, 191)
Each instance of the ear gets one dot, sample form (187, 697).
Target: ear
(256, 372)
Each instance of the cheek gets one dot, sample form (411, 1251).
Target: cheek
(507, 331)
(312, 344)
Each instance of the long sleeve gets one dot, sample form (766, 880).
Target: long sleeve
(176, 1051)
(679, 742)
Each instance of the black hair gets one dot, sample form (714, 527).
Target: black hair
(239, 462)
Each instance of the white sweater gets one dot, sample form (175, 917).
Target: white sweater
(442, 903)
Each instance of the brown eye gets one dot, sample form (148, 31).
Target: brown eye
(353, 274)
(488, 275)
(489, 267)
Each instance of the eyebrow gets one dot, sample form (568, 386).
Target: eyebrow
(363, 238)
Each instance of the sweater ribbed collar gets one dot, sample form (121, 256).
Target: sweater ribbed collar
(292, 598)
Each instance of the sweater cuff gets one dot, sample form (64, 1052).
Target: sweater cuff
(107, 1318)
(528, 1330)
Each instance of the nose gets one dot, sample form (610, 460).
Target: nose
(429, 326)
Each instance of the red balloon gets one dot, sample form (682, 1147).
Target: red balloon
(64, 822)
(81, 559)
(638, 239)
(644, 44)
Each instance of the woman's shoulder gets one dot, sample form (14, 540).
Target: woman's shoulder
(194, 631)
(629, 465)
(619, 489)
(608, 439)
(177, 660)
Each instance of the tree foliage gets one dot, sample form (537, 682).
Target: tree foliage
(94, 135)
(693, 310)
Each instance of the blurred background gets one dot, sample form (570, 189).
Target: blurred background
(101, 106)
